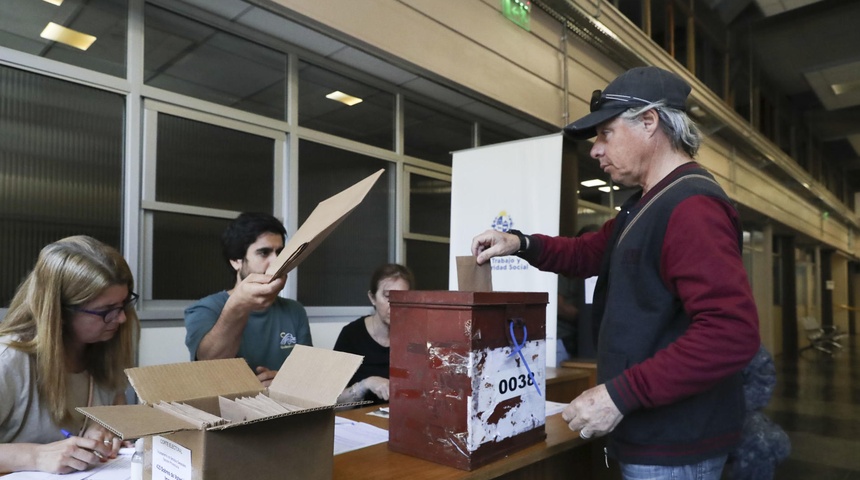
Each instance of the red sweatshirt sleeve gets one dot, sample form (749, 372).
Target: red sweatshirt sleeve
(572, 256)
(702, 264)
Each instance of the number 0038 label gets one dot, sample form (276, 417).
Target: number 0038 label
(511, 382)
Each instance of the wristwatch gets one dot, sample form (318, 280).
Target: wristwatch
(524, 240)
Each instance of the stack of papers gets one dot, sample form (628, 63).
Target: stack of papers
(350, 435)
(192, 415)
(252, 408)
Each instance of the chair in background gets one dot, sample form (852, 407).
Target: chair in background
(825, 338)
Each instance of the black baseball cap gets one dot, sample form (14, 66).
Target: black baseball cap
(634, 88)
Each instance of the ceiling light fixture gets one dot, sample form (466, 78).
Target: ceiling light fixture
(847, 87)
(67, 36)
(343, 98)
(55, 2)
(596, 182)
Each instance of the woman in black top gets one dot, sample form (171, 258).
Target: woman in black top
(369, 336)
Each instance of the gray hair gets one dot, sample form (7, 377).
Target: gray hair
(681, 130)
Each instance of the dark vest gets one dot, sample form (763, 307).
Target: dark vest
(639, 316)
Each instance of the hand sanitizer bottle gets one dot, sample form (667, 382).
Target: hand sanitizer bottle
(137, 460)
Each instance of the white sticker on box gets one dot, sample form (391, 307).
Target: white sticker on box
(170, 461)
(510, 383)
(499, 377)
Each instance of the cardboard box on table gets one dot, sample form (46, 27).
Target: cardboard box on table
(461, 394)
(298, 444)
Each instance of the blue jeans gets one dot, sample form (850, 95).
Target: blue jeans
(710, 469)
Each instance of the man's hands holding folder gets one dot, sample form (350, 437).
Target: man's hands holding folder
(256, 292)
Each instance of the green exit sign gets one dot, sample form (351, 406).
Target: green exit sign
(518, 11)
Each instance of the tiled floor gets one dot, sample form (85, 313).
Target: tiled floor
(817, 401)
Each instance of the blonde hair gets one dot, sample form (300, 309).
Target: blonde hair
(70, 273)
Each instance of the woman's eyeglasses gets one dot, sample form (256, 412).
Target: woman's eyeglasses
(111, 314)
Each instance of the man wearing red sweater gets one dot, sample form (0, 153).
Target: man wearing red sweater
(673, 302)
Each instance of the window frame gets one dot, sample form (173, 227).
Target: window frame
(154, 308)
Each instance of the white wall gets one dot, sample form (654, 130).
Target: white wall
(162, 345)
(164, 341)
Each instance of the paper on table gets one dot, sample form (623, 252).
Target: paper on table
(116, 469)
(350, 435)
(382, 412)
(321, 222)
(553, 408)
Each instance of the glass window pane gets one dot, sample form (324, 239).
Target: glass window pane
(432, 135)
(23, 21)
(679, 26)
(632, 9)
(429, 262)
(429, 205)
(588, 170)
(660, 23)
(187, 262)
(492, 136)
(338, 271)
(188, 57)
(61, 159)
(210, 166)
(371, 121)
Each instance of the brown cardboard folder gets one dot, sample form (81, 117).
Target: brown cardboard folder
(321, 222)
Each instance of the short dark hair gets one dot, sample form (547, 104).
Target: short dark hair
(244, 230)
(390, 270)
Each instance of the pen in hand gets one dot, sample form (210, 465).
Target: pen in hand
(68, 434)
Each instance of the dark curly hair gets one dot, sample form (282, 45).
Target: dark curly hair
(244, 230)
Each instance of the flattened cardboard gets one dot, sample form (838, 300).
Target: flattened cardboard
(322, 221)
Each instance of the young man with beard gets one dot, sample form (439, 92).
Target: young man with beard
(250, 320)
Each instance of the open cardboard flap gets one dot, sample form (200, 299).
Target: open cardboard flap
(178, 382)
(321, 222)
(300, 376)
(134, 421)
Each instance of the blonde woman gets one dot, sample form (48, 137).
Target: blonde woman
(68, 336)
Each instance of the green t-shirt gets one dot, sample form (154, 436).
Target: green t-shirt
(268, 338)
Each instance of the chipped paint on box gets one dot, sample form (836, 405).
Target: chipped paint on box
(504, 402)
(447, 360)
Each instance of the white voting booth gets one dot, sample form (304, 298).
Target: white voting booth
(513, 185)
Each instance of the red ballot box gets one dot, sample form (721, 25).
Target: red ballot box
(467, 374)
